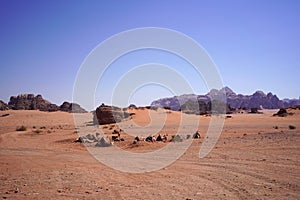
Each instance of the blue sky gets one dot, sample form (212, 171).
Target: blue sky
(255, 44)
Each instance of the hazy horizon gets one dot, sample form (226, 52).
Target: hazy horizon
(265, 92)
(254, 44)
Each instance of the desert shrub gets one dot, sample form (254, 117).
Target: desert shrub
(275, 127)
(188, 137)
(38, 131)
(34, 127)
(21, 128)
(292, 127)
(43, 127)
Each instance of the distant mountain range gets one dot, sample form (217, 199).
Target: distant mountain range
(258, 100)
(189, 103)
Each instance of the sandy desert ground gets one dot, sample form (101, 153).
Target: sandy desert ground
(252, 160)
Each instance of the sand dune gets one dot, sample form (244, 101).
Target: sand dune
(256, 157)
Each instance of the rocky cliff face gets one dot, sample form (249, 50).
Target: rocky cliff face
(257, 100)
(71, 107)
(176, 102)
(109, 114)
(194, 107)
(31, 102)
(3, 106)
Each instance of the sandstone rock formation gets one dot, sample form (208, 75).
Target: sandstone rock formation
(194, 107)
(31, 102)
(71, 107)
(109, 114)
(3, 106)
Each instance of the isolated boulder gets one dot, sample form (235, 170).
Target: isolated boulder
(196, 135)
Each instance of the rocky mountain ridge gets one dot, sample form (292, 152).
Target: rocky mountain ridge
(258, 100)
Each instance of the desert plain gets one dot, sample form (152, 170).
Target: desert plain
(256, 157)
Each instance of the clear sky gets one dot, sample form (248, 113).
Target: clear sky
(255, 44)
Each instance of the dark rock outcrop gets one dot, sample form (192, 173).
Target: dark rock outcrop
(72, 108)
(132, 106)
(3, 106)
(31, 102)
(109, 114)
(281, 113)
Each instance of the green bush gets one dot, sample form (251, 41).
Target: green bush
(21, 128)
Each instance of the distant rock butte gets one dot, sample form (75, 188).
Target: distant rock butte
(31, 102)
(71, 107)
(257, 100)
